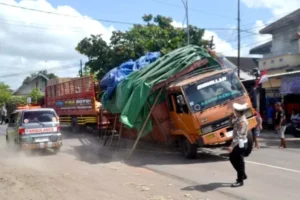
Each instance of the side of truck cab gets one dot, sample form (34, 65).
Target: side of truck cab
(200, 107)
(34, 128)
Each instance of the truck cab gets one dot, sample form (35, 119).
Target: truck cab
(200, 107)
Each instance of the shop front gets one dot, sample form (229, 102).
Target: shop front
(290, 90)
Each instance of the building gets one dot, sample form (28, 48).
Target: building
(247, 66)
(281, 58)
(39, 81)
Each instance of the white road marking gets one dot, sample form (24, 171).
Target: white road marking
(272, 166)
(261, 164)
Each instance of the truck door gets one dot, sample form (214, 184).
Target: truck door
(181, 116)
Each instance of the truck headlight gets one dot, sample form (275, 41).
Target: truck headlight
(207, 129)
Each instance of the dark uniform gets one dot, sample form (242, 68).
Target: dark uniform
(240, 130)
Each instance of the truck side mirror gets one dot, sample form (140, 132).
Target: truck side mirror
(180, 100)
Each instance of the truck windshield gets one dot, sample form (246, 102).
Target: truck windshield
(212, 91)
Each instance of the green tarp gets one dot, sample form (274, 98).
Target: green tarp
(133, 95)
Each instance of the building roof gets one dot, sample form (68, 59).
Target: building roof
(32, 79)
(287, 20)
(262, 49)
(247, 64)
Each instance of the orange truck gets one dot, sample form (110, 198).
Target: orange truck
(195, 112)
(74, 100)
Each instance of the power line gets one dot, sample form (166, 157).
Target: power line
(193, 9)
(76, 29)
(50, 69)
(60, 14)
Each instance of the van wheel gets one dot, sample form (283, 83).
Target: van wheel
(189, 150)
(56, 150)
(74, 126)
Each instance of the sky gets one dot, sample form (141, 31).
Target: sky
(32, 41)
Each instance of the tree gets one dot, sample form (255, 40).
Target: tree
(5, 93)
(35, 95)
(157, 34)
(43, 72)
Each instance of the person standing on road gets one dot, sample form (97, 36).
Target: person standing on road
(239, 144)
(280, 124)
(3, 114)
(257, 129)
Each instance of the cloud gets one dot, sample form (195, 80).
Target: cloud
(178, 24)
(279, 8)
(32, 41)
(222, 46)
(260, 38)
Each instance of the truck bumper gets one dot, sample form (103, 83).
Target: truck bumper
(222, 135)
(44, 145)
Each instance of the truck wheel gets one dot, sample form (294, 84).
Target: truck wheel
(250, 144)
(74, 126)
(189, 150)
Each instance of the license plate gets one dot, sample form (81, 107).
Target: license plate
(210, 136)
(229, 134)
(40, 130)
(41, 140)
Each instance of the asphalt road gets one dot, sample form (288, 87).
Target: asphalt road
(273, 173)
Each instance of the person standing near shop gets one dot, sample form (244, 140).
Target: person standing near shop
(239, 144)
(3, 114)
(257, 129)
(280, 124)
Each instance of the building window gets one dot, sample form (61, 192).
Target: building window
(265, 63)
(272, 61)
(281, 59)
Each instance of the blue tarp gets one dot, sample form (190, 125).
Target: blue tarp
(116, 75)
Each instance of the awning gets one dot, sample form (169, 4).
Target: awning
(290, 85)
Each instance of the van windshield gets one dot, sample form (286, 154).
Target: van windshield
(39, 116)
(212, 91)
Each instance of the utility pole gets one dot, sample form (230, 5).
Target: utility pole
(185, 3)
(211, 44)
(80, 71)
(239, 38)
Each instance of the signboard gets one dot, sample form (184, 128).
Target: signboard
(75, 104)
(290, 85)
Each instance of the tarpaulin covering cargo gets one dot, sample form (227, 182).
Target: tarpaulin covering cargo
(116, 75)
(136, 92)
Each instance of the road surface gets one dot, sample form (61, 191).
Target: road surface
(84, 169)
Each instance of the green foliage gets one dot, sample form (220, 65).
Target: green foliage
(5, 93)
(14, 101)
(157, 34)
(43, 72)
(35, 95)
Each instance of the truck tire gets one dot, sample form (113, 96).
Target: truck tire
(189, 150)
(74, 126)
(250, 144)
